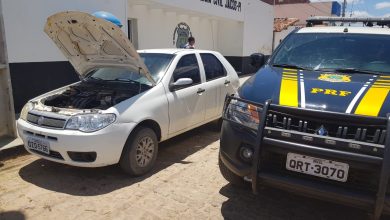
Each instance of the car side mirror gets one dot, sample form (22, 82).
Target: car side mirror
(257, 60)
(180, 83)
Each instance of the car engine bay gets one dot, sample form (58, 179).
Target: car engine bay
(94, 95)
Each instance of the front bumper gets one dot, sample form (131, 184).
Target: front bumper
(107, 144)
(367, 185)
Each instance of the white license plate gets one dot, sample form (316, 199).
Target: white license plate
(317, 167)
(38, 145)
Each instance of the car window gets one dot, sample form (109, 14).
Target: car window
(212, 66)
(187, 67)
(120, 74)
(157, 63)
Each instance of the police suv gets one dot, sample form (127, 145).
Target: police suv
(314, 119)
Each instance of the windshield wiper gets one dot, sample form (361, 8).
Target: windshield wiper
(95, 78)
(351, 70)
(126, 80)
(130, 81)
(123, 80)
(290, 66)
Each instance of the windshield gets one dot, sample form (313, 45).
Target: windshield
(156, 63)
(332, 51)
(119, 74)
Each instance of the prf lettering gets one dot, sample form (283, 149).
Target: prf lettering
(330, 92)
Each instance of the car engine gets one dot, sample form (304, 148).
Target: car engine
(87, 95)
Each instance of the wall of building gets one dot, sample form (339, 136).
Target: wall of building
(161, 34)
(236, 33)
(26, 41)
(279, 36)
(257, 34)
(232, 32)
(36, 64)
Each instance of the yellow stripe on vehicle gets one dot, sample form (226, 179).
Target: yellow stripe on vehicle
(382, 84)
(290, 70)
(372, 101)
(289, 77)
(383, 81)
(289, 88)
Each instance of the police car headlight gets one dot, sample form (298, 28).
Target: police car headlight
(90, 122)
(26, 108)
(243, 113)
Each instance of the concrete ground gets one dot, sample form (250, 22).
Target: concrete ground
(185, 184)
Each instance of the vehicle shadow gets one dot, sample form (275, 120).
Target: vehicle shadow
(97, 181)
(11, 153)
(276, 204)
(12, 215)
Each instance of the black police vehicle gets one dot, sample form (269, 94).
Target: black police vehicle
(314, 119)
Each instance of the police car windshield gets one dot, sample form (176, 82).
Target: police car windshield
(331, 51)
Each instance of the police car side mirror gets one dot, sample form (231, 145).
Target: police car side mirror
(257, 60)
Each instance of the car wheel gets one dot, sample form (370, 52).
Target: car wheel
(231, 177)
(140, 152)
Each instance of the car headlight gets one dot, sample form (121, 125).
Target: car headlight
(244, 113)
(26, 108)
(90, 122)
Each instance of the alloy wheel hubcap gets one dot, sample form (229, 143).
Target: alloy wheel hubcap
(145, 149)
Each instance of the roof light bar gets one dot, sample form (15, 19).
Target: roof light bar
(341, 19)
(369, 22)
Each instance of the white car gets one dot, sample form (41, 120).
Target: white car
(126, 102)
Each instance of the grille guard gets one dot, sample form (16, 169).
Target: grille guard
(383, 160)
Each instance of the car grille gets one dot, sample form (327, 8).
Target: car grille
(348, 128)
(339, 129)
(45, 121)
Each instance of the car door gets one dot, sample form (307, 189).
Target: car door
(187, 104)
(216, 83)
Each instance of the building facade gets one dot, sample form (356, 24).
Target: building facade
(234, 28)
(302, 11)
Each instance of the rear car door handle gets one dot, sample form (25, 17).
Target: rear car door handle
(200, 91)
(227, 82)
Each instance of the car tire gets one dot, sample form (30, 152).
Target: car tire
(231, 177)
(140, 152)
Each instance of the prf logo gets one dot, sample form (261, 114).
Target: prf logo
(334, 77)
(333, 92)
(181, 34)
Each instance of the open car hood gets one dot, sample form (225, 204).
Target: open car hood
(90, 42)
